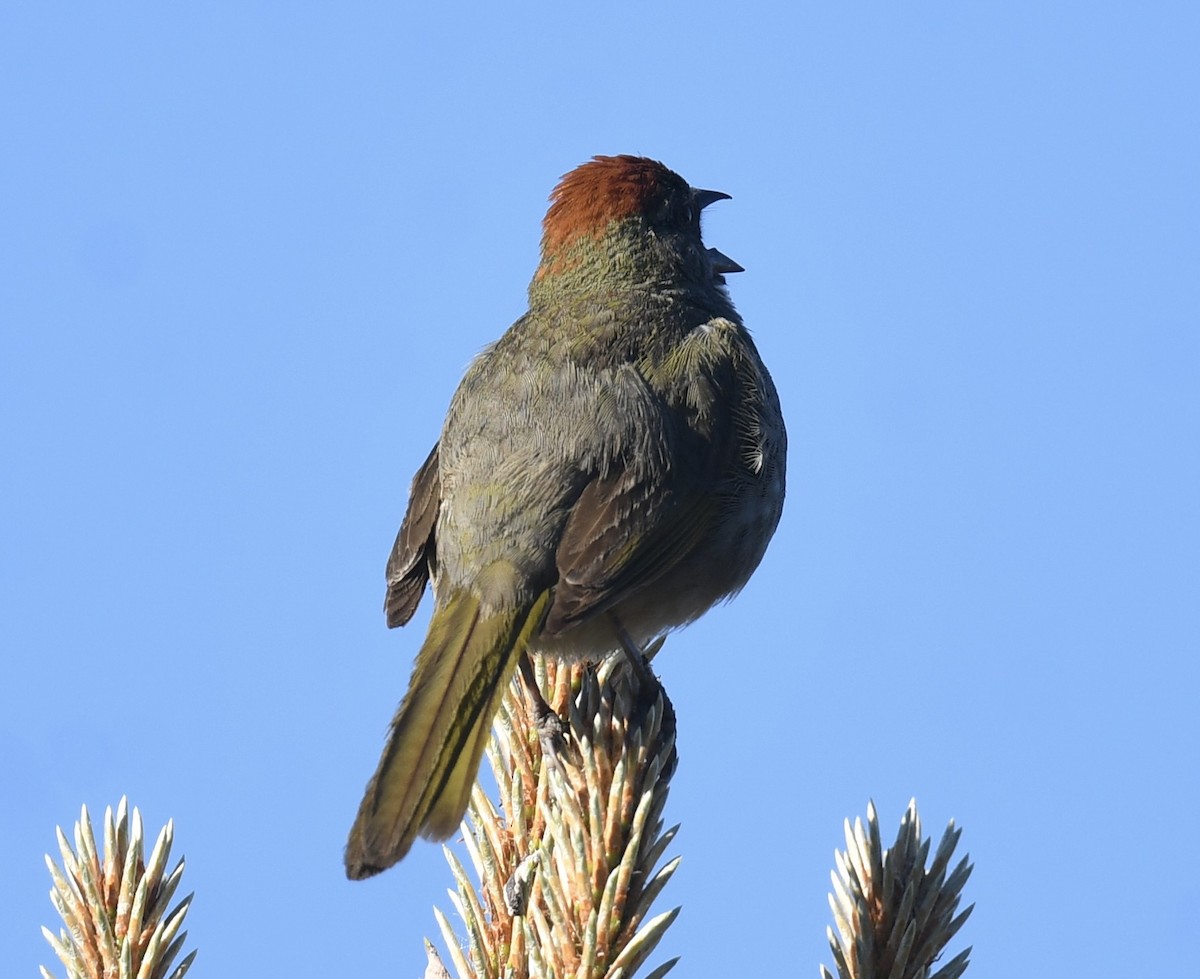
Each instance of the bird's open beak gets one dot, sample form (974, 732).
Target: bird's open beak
(721, 263)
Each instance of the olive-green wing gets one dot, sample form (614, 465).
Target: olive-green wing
(628, 528)
(620, 536)
(625, 529)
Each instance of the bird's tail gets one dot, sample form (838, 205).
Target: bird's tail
(424, 779)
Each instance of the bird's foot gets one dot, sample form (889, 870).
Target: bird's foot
(551, 729)
(645, 686)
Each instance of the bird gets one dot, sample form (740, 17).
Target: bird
(608, 470)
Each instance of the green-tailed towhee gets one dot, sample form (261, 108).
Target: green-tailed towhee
(613, 463)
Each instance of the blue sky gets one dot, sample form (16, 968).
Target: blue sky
(244, 258)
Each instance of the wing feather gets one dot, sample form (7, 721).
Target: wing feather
(414, 555)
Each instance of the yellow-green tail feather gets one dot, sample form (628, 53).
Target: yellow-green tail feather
(424, 779)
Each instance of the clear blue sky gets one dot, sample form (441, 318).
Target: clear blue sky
(245, 255)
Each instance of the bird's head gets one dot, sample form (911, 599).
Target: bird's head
(629, 216)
